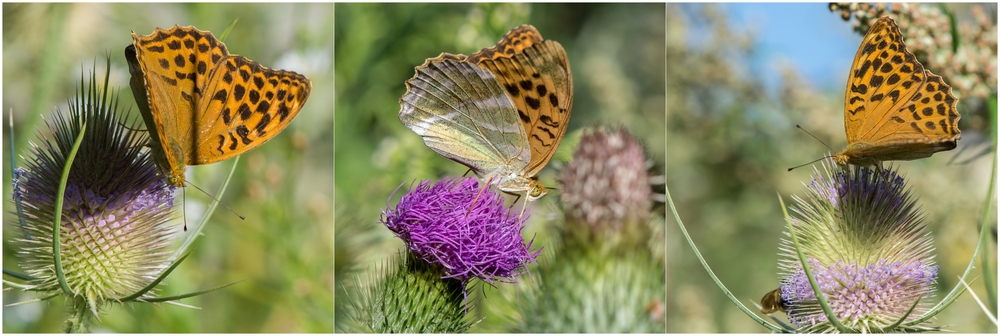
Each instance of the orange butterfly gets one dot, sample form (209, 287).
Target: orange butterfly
(894, 108)
(202, 105)
(501, 111)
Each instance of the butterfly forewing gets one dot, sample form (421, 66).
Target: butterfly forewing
(516, 40)
(463, 113)
(171, 70)
(539, 81)
(895, 109)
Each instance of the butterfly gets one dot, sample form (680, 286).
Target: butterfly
(894, 108)
(202, 105)
(772, 302)
(501, 111)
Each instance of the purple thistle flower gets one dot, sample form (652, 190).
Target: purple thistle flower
(867, 248)
(446, 225)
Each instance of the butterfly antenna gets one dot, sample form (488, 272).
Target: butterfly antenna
(814, 137)
(810, 162)
(121, 123)
(217, 201)
(817, 139)
(184, 215)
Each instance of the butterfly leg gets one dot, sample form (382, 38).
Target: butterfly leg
(515, 201)
(123, 125)
(882, 172)
(523, 207)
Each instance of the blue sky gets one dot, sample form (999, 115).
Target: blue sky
(816, 41)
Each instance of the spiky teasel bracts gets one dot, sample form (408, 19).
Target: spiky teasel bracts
(864, 240)
(114, 237)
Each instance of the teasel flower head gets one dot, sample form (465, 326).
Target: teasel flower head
(465, 230)
(113, 234)
(862, 234)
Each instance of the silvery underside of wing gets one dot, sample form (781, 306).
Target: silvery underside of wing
(464, 114)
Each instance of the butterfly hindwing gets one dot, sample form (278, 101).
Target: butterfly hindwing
(463, 113)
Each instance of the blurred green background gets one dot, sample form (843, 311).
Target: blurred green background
(616, 54)
(283, 250)
(738, 80)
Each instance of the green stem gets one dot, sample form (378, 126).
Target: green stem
(718, 282)
(57, 214)
(79, 316)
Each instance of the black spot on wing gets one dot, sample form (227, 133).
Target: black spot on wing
(524, 117)
(283, 112)
(263, 107)
(243, 133)
(532, 102)
(262, 125)
(244, 112)
(222, 142)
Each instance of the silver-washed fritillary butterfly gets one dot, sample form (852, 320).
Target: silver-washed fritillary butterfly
(894, 108)
(202, 105)
(501, 111)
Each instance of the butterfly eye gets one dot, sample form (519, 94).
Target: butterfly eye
(537, 191)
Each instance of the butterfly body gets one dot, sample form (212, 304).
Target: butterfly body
(202, 105)
(894, 108)
(501, 112)
(865, 154)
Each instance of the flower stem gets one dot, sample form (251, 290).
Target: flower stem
(57, 216)
(79, 316)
